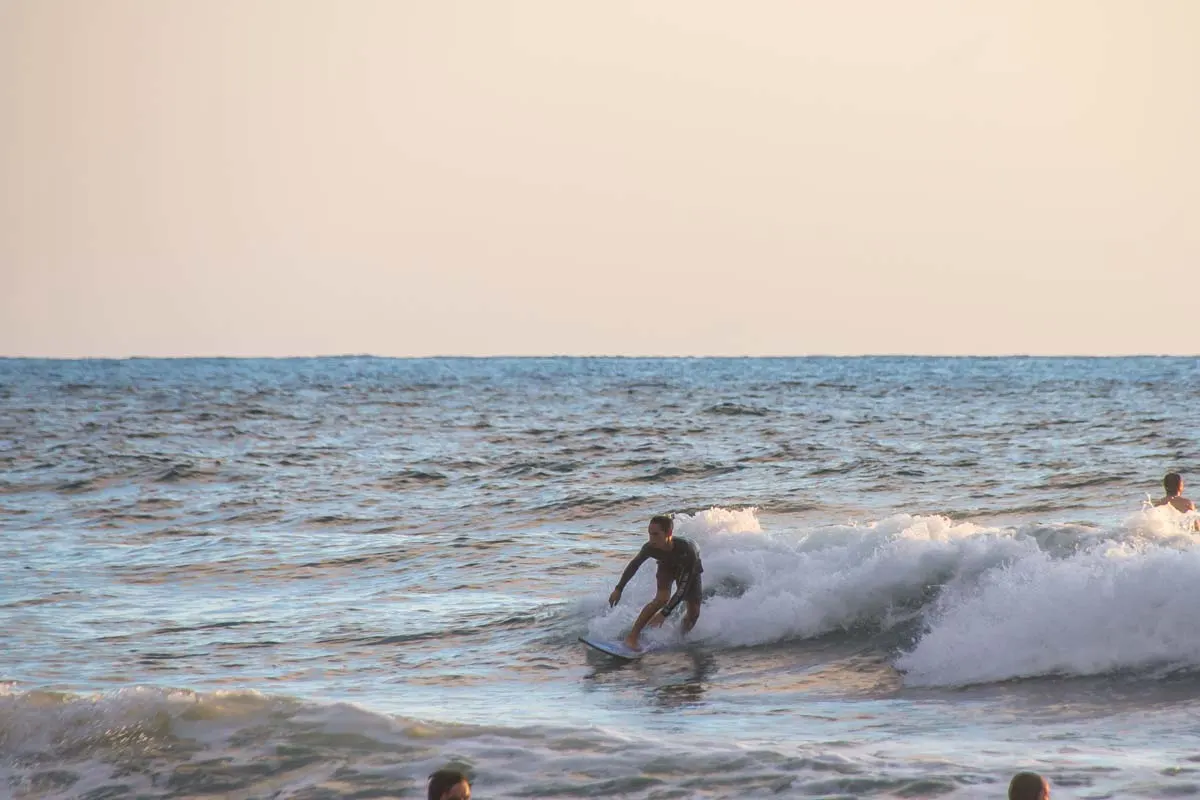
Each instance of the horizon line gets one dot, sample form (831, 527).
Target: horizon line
(564, 356)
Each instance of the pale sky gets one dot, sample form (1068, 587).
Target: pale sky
(641, 177)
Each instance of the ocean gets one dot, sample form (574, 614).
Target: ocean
(325, 578)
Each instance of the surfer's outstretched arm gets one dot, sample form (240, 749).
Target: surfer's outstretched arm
(627, 575)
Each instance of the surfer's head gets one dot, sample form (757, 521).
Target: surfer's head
(449, 784)
(1173, 484)
(659, 531)
(1028, 786)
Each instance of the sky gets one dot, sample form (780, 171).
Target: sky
(627, 177)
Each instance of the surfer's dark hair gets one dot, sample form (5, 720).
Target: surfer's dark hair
(1171, 482)
(1026, 786)
(664, 521)
(443, 781)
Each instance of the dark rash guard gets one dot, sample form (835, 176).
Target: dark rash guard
(681, 565)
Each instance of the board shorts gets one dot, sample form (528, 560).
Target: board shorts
(665, 577)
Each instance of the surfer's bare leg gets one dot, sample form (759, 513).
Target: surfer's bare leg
(643, 619)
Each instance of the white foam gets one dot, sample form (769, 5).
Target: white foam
(995, 603)
(1117, 605)
(800, 584)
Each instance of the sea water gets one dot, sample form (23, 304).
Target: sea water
(325, 578)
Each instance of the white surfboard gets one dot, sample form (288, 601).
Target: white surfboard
(617, 649)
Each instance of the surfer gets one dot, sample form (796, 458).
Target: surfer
(679, 563)
(1173, 486)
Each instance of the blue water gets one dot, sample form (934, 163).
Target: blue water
(323, 578)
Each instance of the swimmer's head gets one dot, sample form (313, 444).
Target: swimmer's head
(1173, 484)
(449, 784)
(1028, 786)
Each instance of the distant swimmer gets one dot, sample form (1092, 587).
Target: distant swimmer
(1028, 786)
(1173, 486)
(679, 563)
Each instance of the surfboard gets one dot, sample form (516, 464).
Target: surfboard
(615, 649)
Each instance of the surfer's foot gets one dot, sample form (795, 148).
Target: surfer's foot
(632, 643)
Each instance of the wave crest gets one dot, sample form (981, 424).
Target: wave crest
(969, 603)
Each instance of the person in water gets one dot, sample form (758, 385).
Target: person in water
(1028, 786)
(448, 784)
(1173, 486)
(679, 563)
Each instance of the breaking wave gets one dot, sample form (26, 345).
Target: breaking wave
(974, 604)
